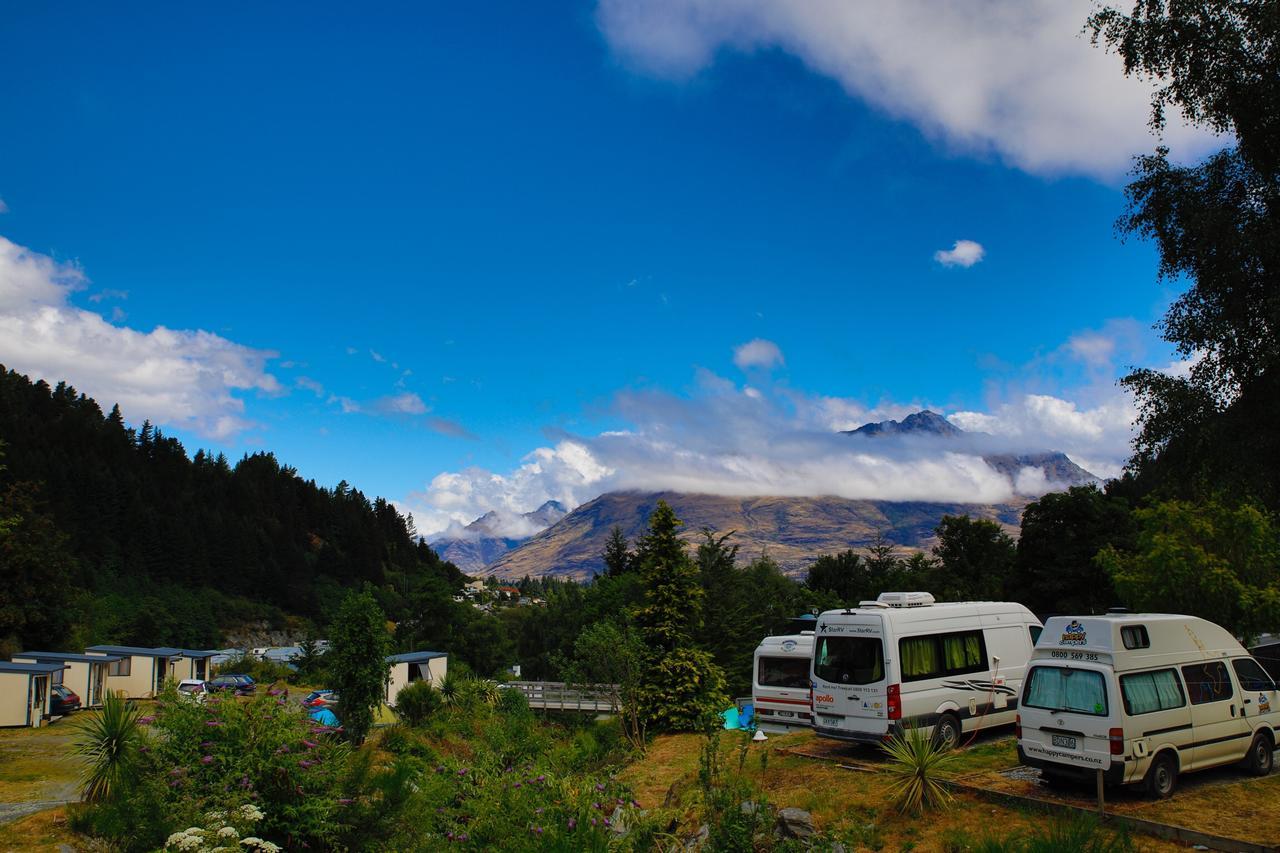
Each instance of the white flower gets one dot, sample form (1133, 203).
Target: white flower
(259, 844)
(251, 812)
(227, 832)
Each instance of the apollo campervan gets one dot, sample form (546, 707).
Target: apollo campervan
(780, 685)
(906, 660)
(1144, 697)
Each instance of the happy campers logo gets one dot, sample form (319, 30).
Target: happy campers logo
(1073, 634)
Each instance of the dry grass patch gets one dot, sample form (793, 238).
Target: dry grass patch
(37, 764)
(42, 832)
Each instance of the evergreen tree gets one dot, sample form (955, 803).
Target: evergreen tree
(358, 647)
(684, 689)
(617, 555)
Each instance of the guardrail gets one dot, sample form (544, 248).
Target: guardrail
(558, 696)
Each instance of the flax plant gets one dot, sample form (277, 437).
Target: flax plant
(915, 763)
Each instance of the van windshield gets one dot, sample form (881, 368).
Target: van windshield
(783, 672)
(1057, 688)
(849, 660)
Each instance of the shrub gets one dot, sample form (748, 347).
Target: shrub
(110, 742)
(915, 761)
(262, 671)
(417, 702)
(1082, 835)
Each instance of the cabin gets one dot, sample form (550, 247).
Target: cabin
(140, 672)
(24, 692)
(85, 675)
(415, 666)
(196, 664)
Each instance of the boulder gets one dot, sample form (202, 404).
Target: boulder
(795, 823)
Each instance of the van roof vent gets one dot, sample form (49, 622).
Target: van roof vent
(906, 599)
(872, 604)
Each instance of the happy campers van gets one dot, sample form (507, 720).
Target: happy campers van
(780, 682)
(1144, 697)
(906, 660)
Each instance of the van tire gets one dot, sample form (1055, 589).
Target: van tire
(1260, 756)
(1162, 776)
(946, 732)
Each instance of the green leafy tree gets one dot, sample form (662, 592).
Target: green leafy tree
(975, 556)
(611, 656)
(843, 575)
(1210, 560)
(1216, 226)
(683, 686)
(358, 648)
(1062, 532)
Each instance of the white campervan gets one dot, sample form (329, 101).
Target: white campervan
(906, 660)
(780, 685)
(1144, 697)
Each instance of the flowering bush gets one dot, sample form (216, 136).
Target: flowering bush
(224, 832)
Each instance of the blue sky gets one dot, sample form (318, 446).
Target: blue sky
(428, 239)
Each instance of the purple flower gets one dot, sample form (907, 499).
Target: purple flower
(573, 823)
(464, 837)
(207, 759)
(440, 769)
(621, 801)
(542, 778)
(304, 764)
(274, 692)
(310, 744)
(449, 835)
(177, 771)
(462, 772)
(509, 769)
(537, 830)
(205, 744)
(147, 720)
(593, 821)
(606, 822)
(245, 783)
(599, 787)
(595, 805)
(517, 785)
(635, 804)
(213, 722)
(345, 801)
(282, 749)
(537, 811)
(144, 749)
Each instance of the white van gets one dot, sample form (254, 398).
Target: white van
(1144, 697)
(906, 660)
(780, 684)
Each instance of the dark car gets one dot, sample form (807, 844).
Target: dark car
(241, 684)
(62, 701)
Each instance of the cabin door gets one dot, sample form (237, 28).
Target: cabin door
(39, 694)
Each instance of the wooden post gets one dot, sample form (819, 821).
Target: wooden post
(1102, 806)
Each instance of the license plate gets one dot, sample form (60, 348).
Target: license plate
(785, 713)
(1064, 741)
(829, 720)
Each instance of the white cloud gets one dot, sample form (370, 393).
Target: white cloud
(407, 403)
(1018, 79)
(310, 384)
(965, 253)
(757, 353)
(182, 378)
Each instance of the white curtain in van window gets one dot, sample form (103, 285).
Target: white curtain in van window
(1151, 691)
(1060, 689)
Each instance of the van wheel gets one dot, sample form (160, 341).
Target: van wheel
(1162, 776)
(1260, 756)
(946, 732)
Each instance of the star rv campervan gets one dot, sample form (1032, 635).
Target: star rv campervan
(1143, 697)
(905, 660)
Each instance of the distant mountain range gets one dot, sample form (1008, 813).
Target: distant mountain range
(489, 537)
(793, 531)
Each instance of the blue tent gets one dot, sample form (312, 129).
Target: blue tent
(325, 717)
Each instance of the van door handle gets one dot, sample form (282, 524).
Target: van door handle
(1233, 709)
(1246, 701)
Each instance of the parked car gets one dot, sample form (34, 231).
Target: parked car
(242, 684)
(194, 688)
(63, 701)
(320, 699)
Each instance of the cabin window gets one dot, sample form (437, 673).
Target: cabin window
(1251, 675)
(1057, 688)
(123, 666)
(1035, 631)
(1208, 682)
(936, 655)
(1145, 692)
(57, 677)
(849, 660)
(783, 672)
(1135, 637)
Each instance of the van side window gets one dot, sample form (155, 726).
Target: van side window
(1208, 682)
(1135, 637)
(1144, 692)
(1251, 675)
(936, 655)
(1035, 630)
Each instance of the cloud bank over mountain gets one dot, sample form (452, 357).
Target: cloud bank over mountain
(1017, 79)
(739, 440)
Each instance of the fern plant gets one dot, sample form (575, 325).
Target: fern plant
(916, 763)
(109, 742)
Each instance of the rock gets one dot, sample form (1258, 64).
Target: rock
(749, 807)
(795, 823)
(700, 840)
(618, 823)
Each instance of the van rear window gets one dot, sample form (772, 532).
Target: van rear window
(849, 660)
(1144, 692)
(783, 672)
(1057, 688)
